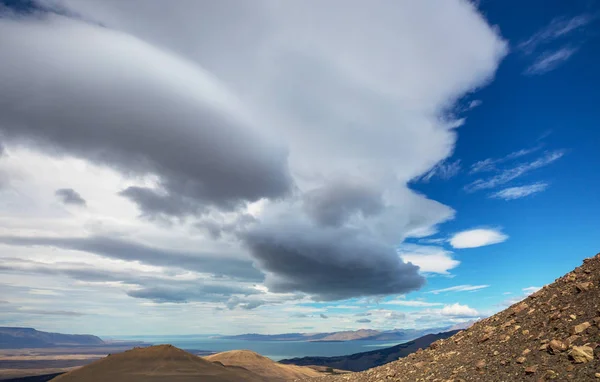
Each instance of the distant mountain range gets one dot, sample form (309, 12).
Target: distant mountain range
(353, 335)
(367, 360)
(18, 338)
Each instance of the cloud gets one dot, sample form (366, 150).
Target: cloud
(428, 258)
(558, 27)
(458, 310)
(330, 264)
(531, 290)
(459, 288)
(443, 170)
(65, 313)
(334, 203)
(475, 103)
(243, 105)
(363, 321)
(490, 164)
(510, 174)
(477, 238)
(196, 292)
(193, 159)
(412, 303)
(323, 315)
(118, 248)
(512, 193)
(526, 292)
(70, 196)
(550, 60)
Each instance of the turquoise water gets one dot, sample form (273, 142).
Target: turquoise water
(275, 350)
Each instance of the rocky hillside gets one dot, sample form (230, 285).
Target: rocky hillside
(551, 335)
(370, 359)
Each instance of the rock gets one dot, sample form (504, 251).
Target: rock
(480, 364)
(484, 338)
(521, 360)
(543, 347)
(581, 354)
(531, 369)
(597, 375)
(525, 352)
(525, 332)
(573, 317)
(580, 328)
(521, 307)
(550, 374)
(556, 346)
(583, 287)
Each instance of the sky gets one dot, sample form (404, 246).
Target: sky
(270, 167)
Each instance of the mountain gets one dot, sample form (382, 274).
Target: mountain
(554, 334)
(157, 363)
(16, 338)
(263, 366)
(367, 360)
(350, 335)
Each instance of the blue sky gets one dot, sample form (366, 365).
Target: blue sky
(287, 168)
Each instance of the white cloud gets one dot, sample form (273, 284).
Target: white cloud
(512, 193)
(412, 303)
(428, 258)
(513, 173)
(443, 170)
(490, 164)
(459, 310)
(558, 27)
(550, 60)
(531, 290)
(477, 238)
(460, 288)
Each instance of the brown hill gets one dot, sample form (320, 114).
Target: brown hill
(551, 335)
(157, 363)
(263, 366)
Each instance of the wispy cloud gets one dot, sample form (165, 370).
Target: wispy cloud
(512, 193)
(509, 174)
(444, 170)
(489, 164)
(459, 288)
(412, 303)
(550, 60)
(479, 237)
(559, 27)
(526, 292)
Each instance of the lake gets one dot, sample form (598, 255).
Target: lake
(276, 350)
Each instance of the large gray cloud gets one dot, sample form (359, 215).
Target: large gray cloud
(102, 101)
(330, 264)
(133, 251)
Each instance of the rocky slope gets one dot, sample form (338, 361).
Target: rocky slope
(554, 334)
(366, 360)
(263, 366)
